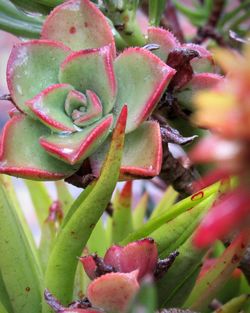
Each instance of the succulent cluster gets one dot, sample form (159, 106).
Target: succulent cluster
(68, 89)
(117, 277)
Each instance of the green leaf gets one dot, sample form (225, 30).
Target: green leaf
(212, 281)
(122, 216)
(74, 235)
(156, 9)
(170, 288)
(40, 198)
(166, 202)
(49, 231)
(172, 235)
(63, 195)
(3, 309)
(235, 305)
(20, 271)
(140, 211)
(4, 297)
(97, 242)
(145, 300)
(6, 181)
(171, 213)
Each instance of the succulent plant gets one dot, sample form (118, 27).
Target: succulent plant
(194, 65)
(69, 88)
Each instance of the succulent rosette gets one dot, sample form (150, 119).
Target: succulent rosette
(69, 88)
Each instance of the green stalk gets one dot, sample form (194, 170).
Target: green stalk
(156, 9)
(17, 22)
(72, 238)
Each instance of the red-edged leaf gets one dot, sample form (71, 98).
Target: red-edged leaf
(113, 292)
(22, 156)
(198, 82)
(75, 147)
(48, 107)
(165, 39)
(140, 255)
(203, 63)
(228, 214)
(93, 70)
(32, 67)
(139, 158)
(80, 25)
(142, 78)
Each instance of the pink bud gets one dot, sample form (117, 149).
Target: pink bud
(141, 255)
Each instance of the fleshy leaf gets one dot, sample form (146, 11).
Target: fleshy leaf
(165, 39)
(140, 255)
(142, 78)
(204, 63)
(75, 147)
(93, 112)
(122, 216)
(93, 70)
(22, 156)
(28, 72)
(48, 106)
(112, 292)
(198, 82)
(75, 24)
(139, 159)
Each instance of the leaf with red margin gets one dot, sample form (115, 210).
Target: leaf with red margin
(21, 154)
(204, 63)
(208, 285)
(93, 70)
(48, 107)
(140, 159)
(76, 147)
(113, 292)
(141, 255)
(80, 25)
(142, 78)
(32, 67)
(200, 81)
(165, 39)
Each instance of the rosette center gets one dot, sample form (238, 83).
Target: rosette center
(83, 109)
